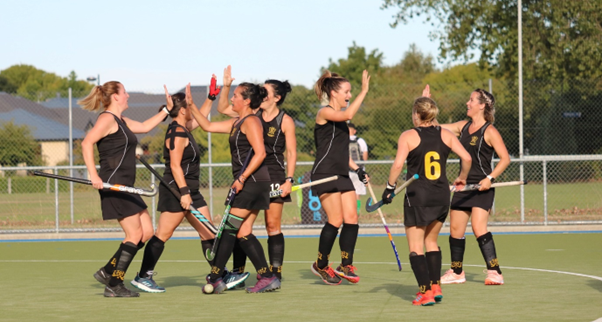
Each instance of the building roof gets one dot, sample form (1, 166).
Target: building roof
(42, 128)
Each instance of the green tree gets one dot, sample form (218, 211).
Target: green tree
(560, 38)
(356, 62)
(18, 146)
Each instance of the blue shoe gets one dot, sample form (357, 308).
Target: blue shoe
(265, 284)
(147, 284)
(235, 279)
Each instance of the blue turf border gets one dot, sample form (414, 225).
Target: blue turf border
(296, 236)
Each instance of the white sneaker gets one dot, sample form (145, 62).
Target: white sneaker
(493, 278)
(452, 278)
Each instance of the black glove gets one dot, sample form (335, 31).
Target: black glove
(363, 176)
(388, 193)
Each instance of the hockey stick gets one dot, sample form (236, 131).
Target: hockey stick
(373, 207)
(277, 193)
(112, 187)
(173, 191)
(210, 253)
(474, 187)
(382, 217)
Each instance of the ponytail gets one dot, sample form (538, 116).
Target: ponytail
(100, 96)
(328, 82)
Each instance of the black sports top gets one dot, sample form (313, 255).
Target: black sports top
(480, 152)
(428, 160)
(239, 148)
(332, 148)
(190, 156)
(274, 139)
(117, 153)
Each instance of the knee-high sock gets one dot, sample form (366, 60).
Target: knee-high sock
(110, 266)
(457, 247)
(152, 253)
(254, 251)
(420, 269)
(224, 250)
(239, 258)
(276, 253)
(327, 238)
(347, 242)
(128, 251)
(433, 261)
(488, 251)
(207, 245)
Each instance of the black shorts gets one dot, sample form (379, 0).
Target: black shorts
(277, 177)
(465, 201)
(169, 203)
(341, 184)
(119, 205)
(422, 216)
(254, 196)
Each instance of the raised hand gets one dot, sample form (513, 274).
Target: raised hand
(228, 76)
(365, 81)
(189, 100)
(427, 91)
(213, 88)
(168, 100)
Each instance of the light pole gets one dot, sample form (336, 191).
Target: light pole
(92, 79)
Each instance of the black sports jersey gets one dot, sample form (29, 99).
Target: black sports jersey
(117, 153)
(332, 148)
(239, 148)
(480, 152)
(274, 139)
(428, 160)
(190, 156)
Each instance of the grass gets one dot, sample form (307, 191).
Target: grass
(566, 202)
(52, 281)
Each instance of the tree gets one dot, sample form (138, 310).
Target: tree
(38, 85)
(18, 146)
(560, 38)
(356, 62)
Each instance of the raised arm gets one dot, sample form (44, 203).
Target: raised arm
(327, 114)
(456, 127)
(223, 105)
(152, 122)
(206, 107)
(221, 126)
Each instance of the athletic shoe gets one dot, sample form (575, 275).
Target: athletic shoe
(347, 272)
(450, 277)
(147, 284)
(425, 299)
(437, 293)
(119, 291)
(265, 284)
(235, 279)
(327, 274)
(493, 278)
(218, 286)
(102, 276)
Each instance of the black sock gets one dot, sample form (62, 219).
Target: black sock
(457, 247)
(488, 251)
(224, 250)
(276, 253)
(207, 245)
(239, 258)
(110, 266)
(128, 251)
(254, 251)
(152, 253)
(140, 245)
(420, 269)
(327, 238)
(433, 261)
(347, 242)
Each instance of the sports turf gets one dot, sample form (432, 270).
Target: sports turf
(52, 281)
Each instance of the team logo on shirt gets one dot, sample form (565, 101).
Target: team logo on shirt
(473, 140)
(271, 132)
(233, 131)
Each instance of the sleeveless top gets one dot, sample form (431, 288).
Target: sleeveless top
(239, 149)
(480, 152)
(274, 139)
(428, 160)
(332, 148)
(117, 153)
(190, 157)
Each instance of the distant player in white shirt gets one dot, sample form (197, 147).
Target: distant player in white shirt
(358, 151)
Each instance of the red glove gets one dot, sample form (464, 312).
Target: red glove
(213, 89)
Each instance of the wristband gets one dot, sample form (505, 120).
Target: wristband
(290, 179)
(391, 187)
(184, 190)
(491, 178)
(165, 110)
(241, 179)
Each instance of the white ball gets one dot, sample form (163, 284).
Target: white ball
(208, 289)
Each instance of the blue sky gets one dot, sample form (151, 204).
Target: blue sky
(145, 44)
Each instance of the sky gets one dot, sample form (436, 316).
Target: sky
(145, 44)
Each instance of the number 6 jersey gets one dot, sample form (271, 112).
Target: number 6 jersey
(428, 160)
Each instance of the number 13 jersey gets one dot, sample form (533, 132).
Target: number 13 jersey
(428, 160)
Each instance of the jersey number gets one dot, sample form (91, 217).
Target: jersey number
(432, 168)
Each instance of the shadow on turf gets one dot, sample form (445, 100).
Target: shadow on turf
(595, 284)
(173, 281)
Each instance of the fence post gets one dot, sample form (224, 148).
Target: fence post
(545, 192)
(71, 152)
(56, 202)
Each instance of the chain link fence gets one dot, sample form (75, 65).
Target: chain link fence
(562, 156)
